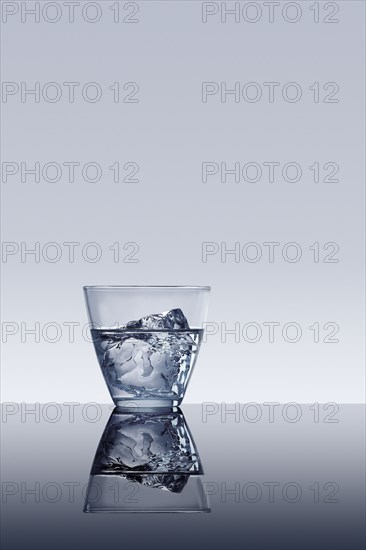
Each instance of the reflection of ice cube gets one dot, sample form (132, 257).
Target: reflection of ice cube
(149, 459)
(169, 320)
(167, 482)
(147, 443)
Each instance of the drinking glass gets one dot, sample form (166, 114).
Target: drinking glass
(147, 339)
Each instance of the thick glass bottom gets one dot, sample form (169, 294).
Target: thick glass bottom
(132, 405)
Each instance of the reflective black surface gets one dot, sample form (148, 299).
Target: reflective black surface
(280, 477)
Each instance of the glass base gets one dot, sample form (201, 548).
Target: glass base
(130, 405)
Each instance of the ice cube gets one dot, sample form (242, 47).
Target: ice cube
(144, 363)
(149, 357)
(169, 320)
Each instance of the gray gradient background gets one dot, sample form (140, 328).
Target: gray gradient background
(170, 132)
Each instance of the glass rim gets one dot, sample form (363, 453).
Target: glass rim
(147, 287)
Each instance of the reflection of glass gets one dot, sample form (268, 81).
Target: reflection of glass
(147, 339)
(146, 462)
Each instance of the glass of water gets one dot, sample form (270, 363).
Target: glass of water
(147, 339)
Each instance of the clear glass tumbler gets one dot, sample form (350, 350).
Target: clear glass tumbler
(147, 339)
